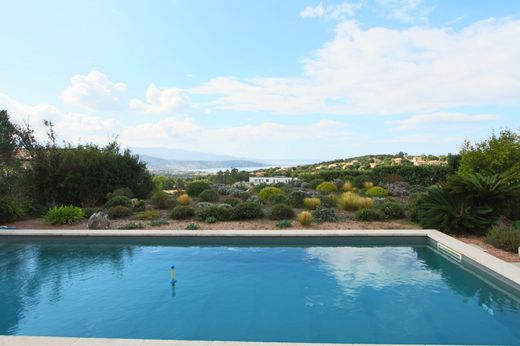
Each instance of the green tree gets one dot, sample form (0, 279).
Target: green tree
(497, 154)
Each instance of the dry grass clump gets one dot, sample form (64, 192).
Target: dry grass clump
(305, 218)
(351, 202)
(368, 184)
(347, 186)
(184, 199)
(311, 203)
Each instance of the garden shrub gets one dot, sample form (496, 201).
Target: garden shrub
(184, 199)
(369, 214)
(119, 200)
(64, 215)
(124, 191)
(311, 203)
(158, 222)
(192, 227)
(351, 202)
(315, 182)
(368, 185)
(377, 191)
(88, 212)
(209, 195)
(415, 175)
(329, 201)
(139, 205)
(225, 206)
(147, 215)
(505, 238)
(268, 192)
(211, 219)
(295, 199)
(392, 210)
(221, 214)
(278, 199)
(231, 201)
(347, 186)
(516, 224)
(322, 215)
(259, 187)
(132, 225)
(326, 187)
(438, 209)
(162, 200)
(118, 212)
(305, 218)
(280, 212)
(360, 180)
(247, 211)
(194, 188)
(393, 178)
(203, 205)
(244, 195)
(284, 223)
(182, 212)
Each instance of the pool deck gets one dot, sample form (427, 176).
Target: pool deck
(493, 266)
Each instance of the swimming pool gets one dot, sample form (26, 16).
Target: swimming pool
(336, 290)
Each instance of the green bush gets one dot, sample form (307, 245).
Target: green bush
(326, 187)
(147, 215)
(315, 182)
(370, 214)
(305, 218)
(211, 219)
(139, 205)
(505, 238)
(516, 224)
(296, 198)
(268, 192)
(182, 212)
(247, 211)
(194, 188)
(124, 191)
(192, 227)
(360, 180)
(280, 212)
(118, 212)
(438, 209)
(64, 215)
(329, 201)
(278, 199)
(392, 210)
(322, 215)
(221, 214)
(118, 200)
(284, 223)
(495, 155)
(209, 195)
(162, 200)
(231, 201)
(132, 225)
(376, 191)
(311, 203)
(158, 222)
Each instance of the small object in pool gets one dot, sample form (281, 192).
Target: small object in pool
(173, 276)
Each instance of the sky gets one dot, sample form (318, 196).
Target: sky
(264, 79)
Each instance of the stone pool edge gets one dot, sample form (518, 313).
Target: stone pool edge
(489, 264)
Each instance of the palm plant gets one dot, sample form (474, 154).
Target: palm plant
(439, 209)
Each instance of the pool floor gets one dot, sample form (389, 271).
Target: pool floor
(326, 294)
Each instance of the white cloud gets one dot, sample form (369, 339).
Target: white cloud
(165, 100)
(388, 71)
(336, 12)
(439, 120)
(70, 126)
(406, 11)
(95, 91)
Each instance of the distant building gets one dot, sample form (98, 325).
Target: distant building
(270, 180)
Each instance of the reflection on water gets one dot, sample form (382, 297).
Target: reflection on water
(25, 268)
(356, 294)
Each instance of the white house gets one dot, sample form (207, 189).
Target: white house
(270, 180)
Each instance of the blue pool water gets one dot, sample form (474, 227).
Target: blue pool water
(348, 293)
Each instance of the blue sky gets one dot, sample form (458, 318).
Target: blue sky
(265, 79)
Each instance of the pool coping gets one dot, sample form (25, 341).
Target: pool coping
(495, 267)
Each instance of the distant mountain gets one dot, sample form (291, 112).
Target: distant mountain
(159, 164)
(182, 155)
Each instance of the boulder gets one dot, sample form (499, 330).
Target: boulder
(98, 220)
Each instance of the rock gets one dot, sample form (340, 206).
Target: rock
(98, 220)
